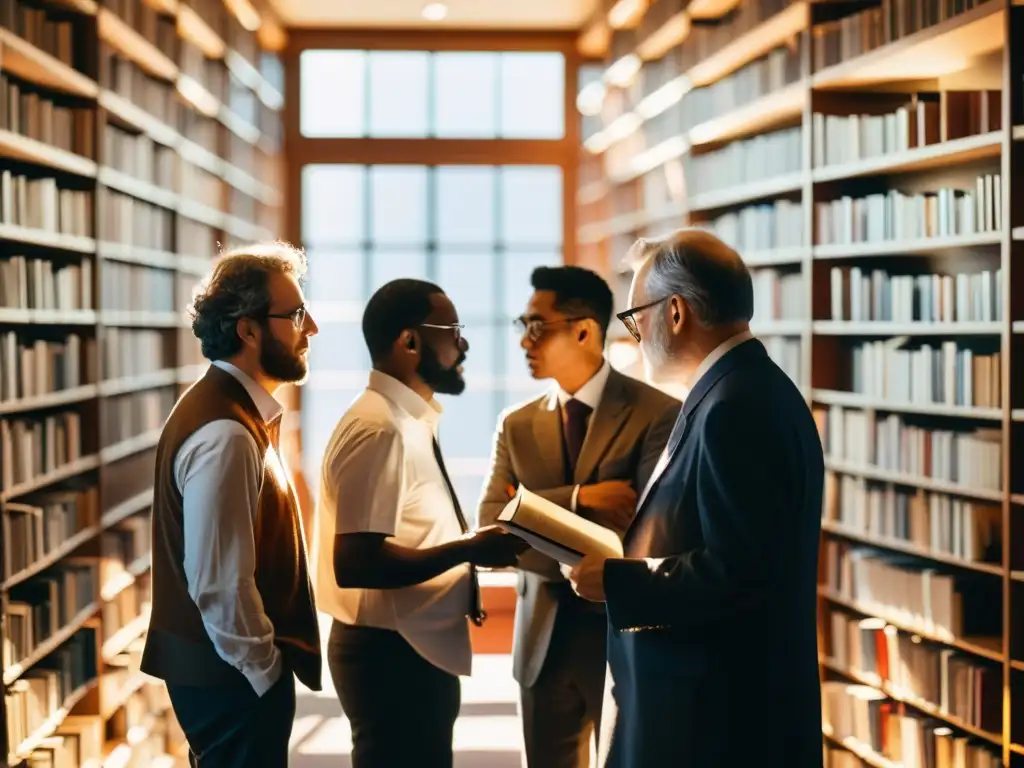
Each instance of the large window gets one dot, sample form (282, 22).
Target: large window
(421, 94)
(476, 230)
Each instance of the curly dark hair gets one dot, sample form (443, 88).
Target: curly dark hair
(238, 287)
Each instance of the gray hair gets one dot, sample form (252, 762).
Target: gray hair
(706, 273)
(238, 287)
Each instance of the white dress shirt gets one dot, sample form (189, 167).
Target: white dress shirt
(380, 475)
(716, 354)
(589, 394)
(219, 472)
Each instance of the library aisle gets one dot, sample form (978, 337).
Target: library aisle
(487, 733)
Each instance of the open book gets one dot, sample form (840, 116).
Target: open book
(555, 531)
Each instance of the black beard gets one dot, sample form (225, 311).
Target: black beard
(280, 363)
(444, 381)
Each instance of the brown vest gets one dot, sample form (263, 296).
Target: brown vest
(178, 649)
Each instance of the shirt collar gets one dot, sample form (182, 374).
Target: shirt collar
(590, 393)
(718, 353)
(266, 403)
(405, 398)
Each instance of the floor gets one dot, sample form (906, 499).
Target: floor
(487, 733)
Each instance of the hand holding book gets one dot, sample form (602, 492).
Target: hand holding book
(611, 504)
(555, 531)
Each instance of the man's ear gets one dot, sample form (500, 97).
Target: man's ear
(677, 313)
(247, 331)
(409, 341)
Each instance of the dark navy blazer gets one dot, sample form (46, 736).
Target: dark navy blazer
(712, 644)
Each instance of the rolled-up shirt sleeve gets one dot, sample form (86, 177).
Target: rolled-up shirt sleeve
(219, 471)
(369, 481)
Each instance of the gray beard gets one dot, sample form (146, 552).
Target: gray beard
(656, 353)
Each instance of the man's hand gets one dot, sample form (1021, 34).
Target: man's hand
(491, 547)
(611, 504)
(587, 578)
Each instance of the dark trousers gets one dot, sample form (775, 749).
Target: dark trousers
(235, 728)
(402, 708)
(562, 710)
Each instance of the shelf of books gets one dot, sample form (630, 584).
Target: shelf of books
(135, 138)
(867, 159)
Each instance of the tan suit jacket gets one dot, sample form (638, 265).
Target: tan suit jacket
(627, 433)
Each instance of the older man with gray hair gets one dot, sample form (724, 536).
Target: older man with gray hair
(712, 647)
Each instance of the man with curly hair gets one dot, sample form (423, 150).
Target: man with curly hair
(233, 619)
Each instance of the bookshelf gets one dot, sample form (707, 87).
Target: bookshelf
(867, 160)
(137, 137)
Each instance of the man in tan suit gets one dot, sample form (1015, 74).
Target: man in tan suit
(588, 445)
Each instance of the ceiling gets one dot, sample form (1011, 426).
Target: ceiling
(478, 14)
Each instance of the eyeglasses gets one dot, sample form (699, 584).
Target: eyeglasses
(535, 328)
(297, 316)
(628, 319)
(455, 328)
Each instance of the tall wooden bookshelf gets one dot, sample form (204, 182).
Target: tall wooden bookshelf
(867, 159)
(137, 137)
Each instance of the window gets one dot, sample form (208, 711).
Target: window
(420, 94)
(477, 231)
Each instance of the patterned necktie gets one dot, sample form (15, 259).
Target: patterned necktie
(577, 414)
(476, 610)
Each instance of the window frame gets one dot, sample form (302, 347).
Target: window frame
(300, 151)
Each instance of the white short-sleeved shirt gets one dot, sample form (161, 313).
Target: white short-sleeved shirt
(379, 475)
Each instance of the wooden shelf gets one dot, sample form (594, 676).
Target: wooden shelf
(784, 105)
(126, 509)
(889, 405)
(132, 445)
(710, 9)
(85, 7)
(923, 55)
(252, 78)
(50, 644)
(883, 328)
(191, 27)
(911, 481)
(986, 647)
(66, 548)
(143, 190)
(926, 707)
(921, 245)
(117, 34)
(670, 34)
(134, 254)
(201, 99)
(139, 319)
(919, 159)
(51, 400)
(776, 257)
(138, 118)
(162, 378)
(905, 547)
(47, 316)
(242, 129)
(18, 147)
(26, 61)
(202, 158)
(752, 45)
(79, 467)
(24, 750)
(863, 751)
(744, 193)
(778, 327)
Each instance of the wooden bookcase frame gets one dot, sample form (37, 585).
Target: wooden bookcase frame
(977, 42)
